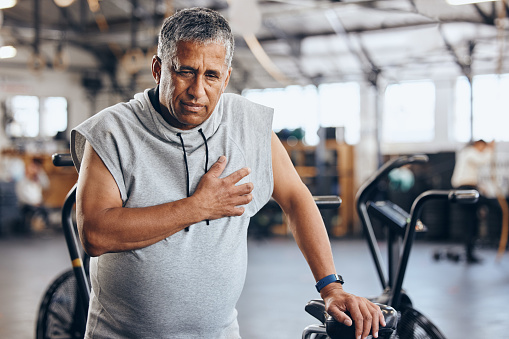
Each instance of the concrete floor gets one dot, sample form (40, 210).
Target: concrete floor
(463, 301)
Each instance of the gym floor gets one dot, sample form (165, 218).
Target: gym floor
(464, 301)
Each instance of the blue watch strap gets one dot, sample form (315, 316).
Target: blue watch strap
(328, 280)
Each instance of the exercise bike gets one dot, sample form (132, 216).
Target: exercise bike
(64, 307)
(400, 227)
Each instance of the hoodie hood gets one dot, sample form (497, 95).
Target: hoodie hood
(154, 121)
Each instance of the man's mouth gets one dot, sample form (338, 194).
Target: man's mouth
(192, 107)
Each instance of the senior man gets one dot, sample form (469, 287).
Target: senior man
(167, 184)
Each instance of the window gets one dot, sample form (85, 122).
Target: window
(340, 106)
(490, 113)
(309, 107)
(461, 121)
(53, 116)
(294, 107)
(25, 117)
(409, 112)
(31, 116)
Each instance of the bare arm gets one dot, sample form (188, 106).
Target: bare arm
(311, 236)
(304, 218)
(105, 226)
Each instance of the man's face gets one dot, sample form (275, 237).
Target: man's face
(190, 89)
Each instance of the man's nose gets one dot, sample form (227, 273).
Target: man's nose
(197, 87)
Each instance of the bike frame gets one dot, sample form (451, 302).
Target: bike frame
(399, 250)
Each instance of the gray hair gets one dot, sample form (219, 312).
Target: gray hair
(201, 25)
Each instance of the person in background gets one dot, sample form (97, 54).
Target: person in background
(469, 161)
(29, 191)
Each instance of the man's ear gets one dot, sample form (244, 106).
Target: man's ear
(156, 68)
(227, 78)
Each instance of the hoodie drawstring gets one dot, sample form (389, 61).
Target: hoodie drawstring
(206, 156)
(206, 150)
(187, 167)
(185, 161)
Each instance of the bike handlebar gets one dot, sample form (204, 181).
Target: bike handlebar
(366, 188)
(464, 196)
(454, 196)
(336, 330)
(327, 201)
(62, 159)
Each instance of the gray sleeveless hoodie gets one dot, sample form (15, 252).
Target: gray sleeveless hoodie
(187, 285)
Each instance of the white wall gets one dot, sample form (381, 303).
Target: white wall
(366, 151)
(19, 81)
(444, 109)
(48, 83)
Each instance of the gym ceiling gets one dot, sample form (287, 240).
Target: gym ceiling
(278, 42)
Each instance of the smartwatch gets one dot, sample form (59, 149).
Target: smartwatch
(329, 280)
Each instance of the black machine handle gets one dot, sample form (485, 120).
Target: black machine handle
(337, 330)
(62, 159)
(327, 201)
(71, 239)
(454, 196)
(323, 202)
(464, 196)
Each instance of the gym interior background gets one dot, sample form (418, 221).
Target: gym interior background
(354, 83)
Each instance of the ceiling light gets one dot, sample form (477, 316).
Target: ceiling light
(245, 16)
(7, 3)
(63, 3)
(466, 2)
(7, 52)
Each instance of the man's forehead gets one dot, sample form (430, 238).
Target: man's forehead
(187, 49)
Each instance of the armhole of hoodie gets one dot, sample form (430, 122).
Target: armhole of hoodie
(78, 141)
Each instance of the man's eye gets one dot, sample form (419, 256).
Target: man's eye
(185, 73)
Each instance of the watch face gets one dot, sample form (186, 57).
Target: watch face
(340, 279)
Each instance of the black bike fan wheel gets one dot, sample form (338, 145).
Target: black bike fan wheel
(414, 325)
(60, 313)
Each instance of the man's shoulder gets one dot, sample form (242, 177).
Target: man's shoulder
(232, 98)
(246, 116)
(122, 111)
(236, 101)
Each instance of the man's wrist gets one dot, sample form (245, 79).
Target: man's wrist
(195, 210)
(332, 278)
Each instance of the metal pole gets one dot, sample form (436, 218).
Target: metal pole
(37, 24)
(470, 82)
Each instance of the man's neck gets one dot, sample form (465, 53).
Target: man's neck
(153, 95)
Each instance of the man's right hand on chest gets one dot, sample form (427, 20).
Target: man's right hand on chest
(106, 226)
(222, 197)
